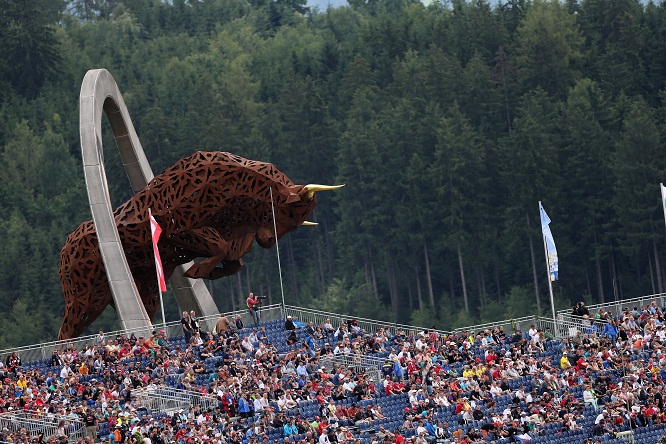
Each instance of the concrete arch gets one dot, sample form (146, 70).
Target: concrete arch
(100, 94)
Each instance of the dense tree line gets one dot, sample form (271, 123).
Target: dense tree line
(447, 122)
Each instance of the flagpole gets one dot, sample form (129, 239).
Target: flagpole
(663, 199)
(550, 283)
(277, 247)
(157, 273)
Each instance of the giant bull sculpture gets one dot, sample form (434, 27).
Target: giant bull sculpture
(210, 205)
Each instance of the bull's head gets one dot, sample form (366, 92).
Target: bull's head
(292, 208)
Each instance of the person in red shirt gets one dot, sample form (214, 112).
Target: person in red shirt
(389, 390)
(253, 307)
(322, 425)
(399, 439)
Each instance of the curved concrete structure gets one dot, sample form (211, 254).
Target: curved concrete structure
(100, 94)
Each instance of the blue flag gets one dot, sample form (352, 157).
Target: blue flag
(550, 244)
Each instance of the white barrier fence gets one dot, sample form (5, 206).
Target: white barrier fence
(566, 326)
(45, 350)
(616, 307)
(508, 325)
(31, 424)
(371, 366)
(168, 400)
(318, 317)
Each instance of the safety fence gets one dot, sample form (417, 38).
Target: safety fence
(616, 307)
(626, 436)
(567, 325)
(305, 315)
(508, 325)
(31, 424)
(169, 400)
(45, 349)
(369, 365)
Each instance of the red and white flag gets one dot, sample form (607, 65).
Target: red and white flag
(155, 230)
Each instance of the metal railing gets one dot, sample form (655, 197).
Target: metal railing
(168, 400)
(319, 317)
(626, 436)
(369, 365)
(566, 323)
(45, 350)
(34, 423)
(616, 307)
(508, 325)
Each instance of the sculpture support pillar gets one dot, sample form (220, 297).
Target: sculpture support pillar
(100, 93)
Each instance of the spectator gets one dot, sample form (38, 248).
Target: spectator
(289, 324)
(222, 326)
(186, 326)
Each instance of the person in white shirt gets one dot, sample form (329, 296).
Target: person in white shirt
(323, 438)
(590, 398)
(421, 430)
(495, 389)
(528, 398)
(65, 373)
(100, 339)
(258, 405)
(601, 416)
(412, 398)
(348, 385)
(286, 402)
(520, 394)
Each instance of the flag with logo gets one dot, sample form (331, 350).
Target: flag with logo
(550, 244)
(156, 231)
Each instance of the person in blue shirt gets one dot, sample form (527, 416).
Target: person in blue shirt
(610, 330)
(302, 381)
(591, 329)
(310, 345)
(429, 427)
(387, 368)
(243, 407)
(290, 428)
(302, 370)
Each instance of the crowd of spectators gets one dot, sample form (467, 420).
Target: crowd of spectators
(619, 364)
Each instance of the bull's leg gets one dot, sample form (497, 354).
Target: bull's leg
(82, 310)
(204, 242)
(208, 268)
(84, 283)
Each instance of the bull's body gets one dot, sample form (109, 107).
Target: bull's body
(210, 205)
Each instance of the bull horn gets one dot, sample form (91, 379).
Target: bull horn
(307, 223)
(310, 189)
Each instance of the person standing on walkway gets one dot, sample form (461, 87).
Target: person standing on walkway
(187, 327)
(253, 306)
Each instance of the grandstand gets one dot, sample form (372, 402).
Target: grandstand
(527, 379)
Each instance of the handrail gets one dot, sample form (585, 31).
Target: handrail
(277, 311)
(16, 420)
(173, 328)
(319, 316)
(505, 322)
(166, 399)
(660, 298)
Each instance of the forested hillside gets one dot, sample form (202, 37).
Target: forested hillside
(447, 122)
